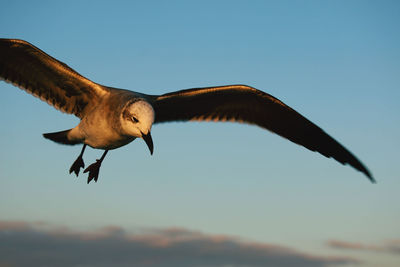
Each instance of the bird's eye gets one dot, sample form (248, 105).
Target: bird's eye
(134, 119)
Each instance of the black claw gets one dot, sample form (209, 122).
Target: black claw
(93, 170)
(77, 165)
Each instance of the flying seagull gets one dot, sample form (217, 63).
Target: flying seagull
(111, 117)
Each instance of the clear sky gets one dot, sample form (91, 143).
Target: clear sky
(250, 197)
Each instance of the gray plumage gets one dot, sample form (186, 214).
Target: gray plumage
(111, 117)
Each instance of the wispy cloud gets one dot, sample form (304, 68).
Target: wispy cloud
(392, 246)
(40, 244)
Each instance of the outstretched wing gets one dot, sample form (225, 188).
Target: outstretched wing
(242, 103)
(29, 68)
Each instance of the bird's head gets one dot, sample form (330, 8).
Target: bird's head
(137, 119)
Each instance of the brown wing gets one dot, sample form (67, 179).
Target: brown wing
(43, 76)
(242, 103)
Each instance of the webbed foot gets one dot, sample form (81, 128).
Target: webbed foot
(93, 170)
(77, 165)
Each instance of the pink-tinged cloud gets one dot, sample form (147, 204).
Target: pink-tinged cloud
(392, 246)
(24, 244)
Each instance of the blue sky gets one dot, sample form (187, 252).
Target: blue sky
(336, 62)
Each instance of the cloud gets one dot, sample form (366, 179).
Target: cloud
(39, 244)
(392, 246)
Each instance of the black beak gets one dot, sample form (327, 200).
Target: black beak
(149, 141)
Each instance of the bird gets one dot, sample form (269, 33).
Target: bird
(112, 117)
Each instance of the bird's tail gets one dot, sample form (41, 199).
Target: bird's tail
(61, 138)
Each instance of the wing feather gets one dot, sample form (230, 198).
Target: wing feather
(41, 75)
(242, 103)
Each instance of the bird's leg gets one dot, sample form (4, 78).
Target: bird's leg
(78, 164)
(94, 168)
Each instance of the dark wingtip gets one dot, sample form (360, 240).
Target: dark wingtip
(367, 173)
(371, 178)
